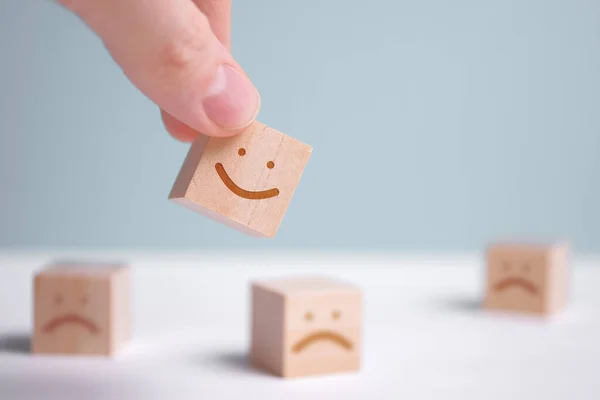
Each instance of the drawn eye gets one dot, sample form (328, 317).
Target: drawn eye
(58, 299)
(270, 165)
(84, 299)
(506, 266)
(525, 268)
(336, 314)
(309, 316)
(242, 152)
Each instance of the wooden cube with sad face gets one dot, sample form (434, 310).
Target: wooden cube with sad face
(306, 326)
(81, 309)
(245, 181)
(527, 278)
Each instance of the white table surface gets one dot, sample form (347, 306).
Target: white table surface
(425, 337)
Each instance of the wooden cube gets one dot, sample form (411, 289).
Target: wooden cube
(527, 278)
(81, 309)
(246, 181)
(306, 326)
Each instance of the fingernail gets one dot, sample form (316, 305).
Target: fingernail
(232, 101)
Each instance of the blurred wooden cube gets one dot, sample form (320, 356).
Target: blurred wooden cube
(527, 278)
(81, 309)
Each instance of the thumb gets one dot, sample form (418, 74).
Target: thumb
(169, 52)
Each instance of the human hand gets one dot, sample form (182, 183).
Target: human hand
(176, 52)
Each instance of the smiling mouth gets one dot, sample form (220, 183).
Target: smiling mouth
(70, 319)
(319, 336)
(519, 282)
(246, 194)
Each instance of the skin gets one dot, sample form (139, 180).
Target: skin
(177, 53)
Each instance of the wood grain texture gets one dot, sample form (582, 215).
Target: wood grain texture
(527, 278)
(246, 181)
(306, 326)
(81, 309)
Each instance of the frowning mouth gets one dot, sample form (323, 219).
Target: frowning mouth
(70, 319)
(322, 335)
(519, 282)
(246, 194)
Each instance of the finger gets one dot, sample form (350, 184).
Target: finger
(218, 13)
(169, 52)
(178, 129)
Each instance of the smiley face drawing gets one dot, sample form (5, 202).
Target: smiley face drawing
(246, 194)
(524, 278)
(75, 310)
(246, 181)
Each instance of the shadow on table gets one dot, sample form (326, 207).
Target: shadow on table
(35, 385)
(460, 303)
(72, 384)
(231, 360)
(14, 342)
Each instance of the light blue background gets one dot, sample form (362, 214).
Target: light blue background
(436, 125)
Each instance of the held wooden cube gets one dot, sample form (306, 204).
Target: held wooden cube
(306, 326)
(81, 309)
(245, 181)
(527, 278)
